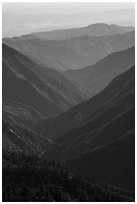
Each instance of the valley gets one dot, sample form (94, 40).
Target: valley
(68, 115)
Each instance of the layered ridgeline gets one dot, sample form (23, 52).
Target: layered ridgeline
(44, 89)
(75, 116)
(40, 180)
(97, 137)
(21, 114)
(97, 29)
(96, 77)
(22, 24)
(76, 50)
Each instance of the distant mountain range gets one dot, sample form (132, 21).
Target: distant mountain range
(94, 78)
(16, 24)
(98, 29)
(78, 50)
(44, 89)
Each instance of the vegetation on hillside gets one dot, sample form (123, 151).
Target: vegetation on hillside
(30, 178)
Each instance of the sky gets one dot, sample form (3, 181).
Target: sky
(67, 8)
(24, 18)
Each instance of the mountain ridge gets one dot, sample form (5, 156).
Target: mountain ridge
(98, 145)
(94, 78)
(72, 53)
(81, 111)
(52, 92)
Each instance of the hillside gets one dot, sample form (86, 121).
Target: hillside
(76, 115)
(68, 102)
(105, 127)
(111, 163)
(19, 113)
(17, 139)
(96, 77)
(46, 90)
(34, 179)
(71, 53)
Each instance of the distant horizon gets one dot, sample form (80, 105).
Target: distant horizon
(24, 18)
(76, 12)
(68, 29)
(64, 7)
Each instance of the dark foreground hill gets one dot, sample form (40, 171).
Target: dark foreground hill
(26, 82)
(31, 179)
(96, 77)
(112, 163)
(105, 125)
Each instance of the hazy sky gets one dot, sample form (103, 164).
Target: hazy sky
(23, 18)
(39, 8)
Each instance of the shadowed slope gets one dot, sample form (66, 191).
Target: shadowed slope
(76, 116)
(112, 163)
(21, 114)
(102, 144)
(21, 140)
(96, 77)
(44, 89)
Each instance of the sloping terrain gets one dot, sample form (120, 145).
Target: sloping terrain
(71, 53)
(19, 113)
(76, 116)
(100, 149)
(18, 139)
(107, 127)
(34, 179)
(112, 123)
(112, 163)
(44, 89)
(94, 78)
(68, 108)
